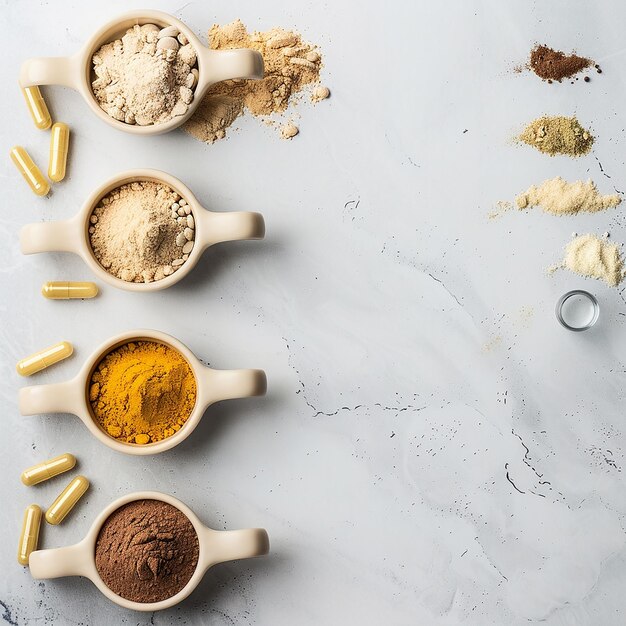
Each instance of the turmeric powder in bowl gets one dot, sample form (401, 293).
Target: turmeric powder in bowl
(142, 392)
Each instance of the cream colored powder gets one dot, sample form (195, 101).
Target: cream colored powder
(289, 131)
(141, 232)
(591, 256)
(558, 197)
(139, 82)
(290, 65)
(502, 206)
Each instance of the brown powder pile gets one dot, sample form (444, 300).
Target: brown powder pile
(142, 232)
(290, 65)
(559, 197)
(146, 551)
(591, 256)
(557, 135)
(553, 65)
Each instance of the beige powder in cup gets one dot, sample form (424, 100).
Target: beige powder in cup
(145, 77)
(290, 65)
(142, 232)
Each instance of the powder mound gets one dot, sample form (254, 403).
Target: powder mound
(146, 551)
(142, 232)
(142, 392)
(290, 65)
(591, 256)
(551, 65)
(145, 78)
(558, 197)
(558, 135)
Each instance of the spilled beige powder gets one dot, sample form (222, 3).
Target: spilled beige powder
(593, 257)
(290, 65)
(502, 206)
(558, 197)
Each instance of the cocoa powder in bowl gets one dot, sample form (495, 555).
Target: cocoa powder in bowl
(146, 551)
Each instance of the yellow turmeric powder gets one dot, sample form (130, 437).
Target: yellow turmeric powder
(142, 392)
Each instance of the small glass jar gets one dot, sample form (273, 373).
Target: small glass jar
(577, 310)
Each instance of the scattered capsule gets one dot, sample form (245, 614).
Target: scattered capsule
(68, 290)
(48, 469)
(31, 173)
(59, 146)
(37, 107)
(44, 358)
(67, 500)
(30, 534)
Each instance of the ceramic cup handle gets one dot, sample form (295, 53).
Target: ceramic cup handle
(62, 236)
(67, 397)
(230, 226)
(218, 65)
(69, 561)
(230, 545)
(50, 71)
(231, 384)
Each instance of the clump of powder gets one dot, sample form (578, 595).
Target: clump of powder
(551, 65)
(559, 197)
(591, 256)
(290, 65)
(142, 231)
(146, 77)
(558, 135)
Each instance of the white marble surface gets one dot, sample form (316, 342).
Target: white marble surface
(434, 448)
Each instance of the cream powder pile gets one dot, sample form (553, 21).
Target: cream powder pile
(290, 65)
(137, 235)
(139, 82)
(559, 197)
(590, 256)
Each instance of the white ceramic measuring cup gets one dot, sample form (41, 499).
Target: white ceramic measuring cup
(215, 546)
(72, 396)
(72, 235)
(76, 71)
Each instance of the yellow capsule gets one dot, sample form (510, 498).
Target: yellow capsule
(59, 146)
(37, 107)
(44, 358)
(48, 469)
(31, 173)
(30, 534)
(67, 500)
(68, 290)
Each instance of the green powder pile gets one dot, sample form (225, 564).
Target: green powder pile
(591, 256)
(558, 197)
(558, 135)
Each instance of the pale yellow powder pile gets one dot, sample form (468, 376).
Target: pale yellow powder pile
(558, 197)
(591, 256)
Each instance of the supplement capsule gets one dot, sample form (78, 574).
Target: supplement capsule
(44, 358)
(37, 107)
(30, 534)
(67, 500)
(48, 469)
(59, 146)
(31, 173)
(68, 290)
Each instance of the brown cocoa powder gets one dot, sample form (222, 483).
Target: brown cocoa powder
(146, 551)
(551, 65)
